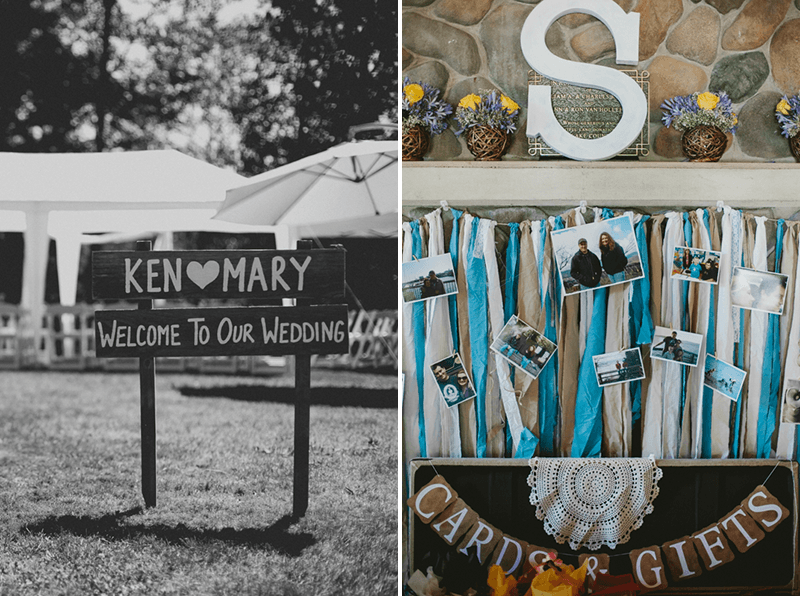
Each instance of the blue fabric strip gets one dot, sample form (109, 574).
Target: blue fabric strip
(453, 299)
(588, 433)
(770, 379)
(687, 237)
(554, 304)
(512, 272)
(548, 392)
(478, 333)
(510, 303)
(418, 320)
(557, 225)
(711, 347)
(527, 444)
(640, 321)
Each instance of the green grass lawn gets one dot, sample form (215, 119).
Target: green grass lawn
(71, 512)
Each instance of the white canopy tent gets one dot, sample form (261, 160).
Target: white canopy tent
(67, 196)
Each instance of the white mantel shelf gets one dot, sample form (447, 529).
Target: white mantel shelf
(771, 188)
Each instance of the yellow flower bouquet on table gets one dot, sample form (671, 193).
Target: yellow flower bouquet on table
(704, 119)
(424, 114)
(788, 114)
(488, 118)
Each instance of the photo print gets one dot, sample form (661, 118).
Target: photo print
(597, 255)
(724, 378)
(695, 264)
(758, 290)
(523, 346)
(790, 409)
(455, 385)
(618, 367)
(428, 278)
(682, 347)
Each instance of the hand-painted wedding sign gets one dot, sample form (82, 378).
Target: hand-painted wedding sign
(305, 274)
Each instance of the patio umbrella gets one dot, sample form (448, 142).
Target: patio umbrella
(349, 189)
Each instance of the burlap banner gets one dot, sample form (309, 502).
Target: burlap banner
(438, 505)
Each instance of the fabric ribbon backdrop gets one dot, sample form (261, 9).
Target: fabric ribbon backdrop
(507, 269)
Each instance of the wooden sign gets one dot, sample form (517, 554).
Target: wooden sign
(234, 331)
(306, 274)
(134, 275)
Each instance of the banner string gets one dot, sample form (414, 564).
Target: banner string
(429, 460)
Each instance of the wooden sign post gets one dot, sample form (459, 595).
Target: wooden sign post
(302, 422)
(311, 276)
(147, 398)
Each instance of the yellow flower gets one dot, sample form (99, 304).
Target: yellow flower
(783, 107)
(413, 93)
(469, 101)
(735, 119)
(707, 101)
(509, 104)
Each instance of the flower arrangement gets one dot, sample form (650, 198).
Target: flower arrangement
(788, 114)
(422, 107)
(488, 108)
(685, 112)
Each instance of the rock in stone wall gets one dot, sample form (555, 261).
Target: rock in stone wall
(748, 48)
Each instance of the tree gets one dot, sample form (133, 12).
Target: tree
(332, 64)
(282, 83)
(46, 87)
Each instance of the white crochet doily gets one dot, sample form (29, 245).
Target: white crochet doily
(593, 502)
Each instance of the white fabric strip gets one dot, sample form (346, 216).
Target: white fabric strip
(410, 392)
(692, 435)
(441, 422)
(737, 233)
(758, 341)
(786, 432)
(672, 308)
(469, 424)
(721, 409)
(502, 366)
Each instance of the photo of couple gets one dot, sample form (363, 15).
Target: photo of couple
(454, 383)
(428, 278)
(597, 255)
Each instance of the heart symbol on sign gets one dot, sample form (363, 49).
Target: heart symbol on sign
(202, 275)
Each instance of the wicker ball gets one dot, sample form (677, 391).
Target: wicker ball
(704, 143)
(416, 143)
(794, 145)
(486, 143)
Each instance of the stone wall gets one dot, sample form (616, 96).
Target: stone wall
(748, 48)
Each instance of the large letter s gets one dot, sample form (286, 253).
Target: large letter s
(541, 120)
